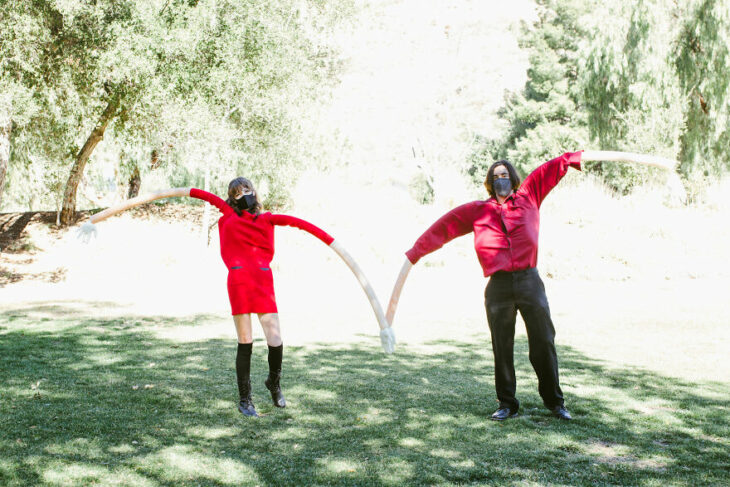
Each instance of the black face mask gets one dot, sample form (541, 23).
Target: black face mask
(502, 186)
(246, 202)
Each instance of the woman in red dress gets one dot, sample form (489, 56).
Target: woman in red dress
(247, 247)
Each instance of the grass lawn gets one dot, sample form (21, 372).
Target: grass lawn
(105, 402)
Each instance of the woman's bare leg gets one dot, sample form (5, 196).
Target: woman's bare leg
(243, 327)
(272, 330)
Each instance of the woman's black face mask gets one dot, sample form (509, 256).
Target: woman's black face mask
(245, 202)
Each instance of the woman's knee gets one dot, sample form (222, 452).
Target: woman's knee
(270, 325)
(242, 323)
(269, 320)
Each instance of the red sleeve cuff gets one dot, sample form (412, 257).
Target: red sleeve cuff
(574, 158)
(413, 256)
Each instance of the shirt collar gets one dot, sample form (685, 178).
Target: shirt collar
(494, 201)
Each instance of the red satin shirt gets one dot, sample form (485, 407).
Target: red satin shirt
(506, 235)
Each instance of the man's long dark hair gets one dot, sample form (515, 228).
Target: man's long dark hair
(234, 188)
(513, 176)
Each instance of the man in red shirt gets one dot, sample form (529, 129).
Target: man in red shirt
(506, 230)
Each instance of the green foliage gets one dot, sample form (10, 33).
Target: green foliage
(543, 120)
(211, 85)
(702, 62)
(81, 62)
(641, 82)
(421, 189)
(629, 92)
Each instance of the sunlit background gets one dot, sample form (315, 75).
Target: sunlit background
(418, 83)
(370, 119)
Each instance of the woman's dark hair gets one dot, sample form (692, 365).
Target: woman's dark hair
(513, 176)
(234, 188)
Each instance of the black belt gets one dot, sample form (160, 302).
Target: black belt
(516, 273)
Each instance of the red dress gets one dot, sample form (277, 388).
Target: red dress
(247, 247)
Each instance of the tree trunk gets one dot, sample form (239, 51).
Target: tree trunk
(68, 208)
(206, 211)
(154, 159)
(5, 128)
(135, 181)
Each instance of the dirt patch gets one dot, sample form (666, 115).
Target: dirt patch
(190, 215)
(14, 235)
(8, 276)
(13, 226)
(25, 237)
(611, 454)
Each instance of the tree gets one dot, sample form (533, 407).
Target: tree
(702, 62)
(245, 67)
(546, 116)
(628, 87)
(6, 126)
(656, 80)
(68, 208)
(17, 72)
(123, 62)
(263, 69)
(55, 53)
(653, 79)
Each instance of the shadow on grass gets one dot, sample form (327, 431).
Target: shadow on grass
(106, 401)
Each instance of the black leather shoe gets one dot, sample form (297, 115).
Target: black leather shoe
(561, 412)
(246, 407)
(503, 413)
(272, 384)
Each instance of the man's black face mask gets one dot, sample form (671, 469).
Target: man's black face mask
(502, 186)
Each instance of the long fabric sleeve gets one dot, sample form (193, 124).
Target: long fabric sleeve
(291, 221)
(545, 177)
(455, 223)
(212, 199)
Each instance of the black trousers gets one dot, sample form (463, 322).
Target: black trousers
(523, 291)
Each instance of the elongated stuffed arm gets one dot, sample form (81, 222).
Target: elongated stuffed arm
(674, 183)
(453, 224)
(586, 156)
(387, 337)
(292, 221)
(395, 295)
(644, 159)
(139, 200)
(88, 228)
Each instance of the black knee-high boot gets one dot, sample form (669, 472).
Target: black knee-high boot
(243, 375)
(272, 382)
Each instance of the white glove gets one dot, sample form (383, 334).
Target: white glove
(387, 340)
(86, 232)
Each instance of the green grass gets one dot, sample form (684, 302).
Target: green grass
(74, 410)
